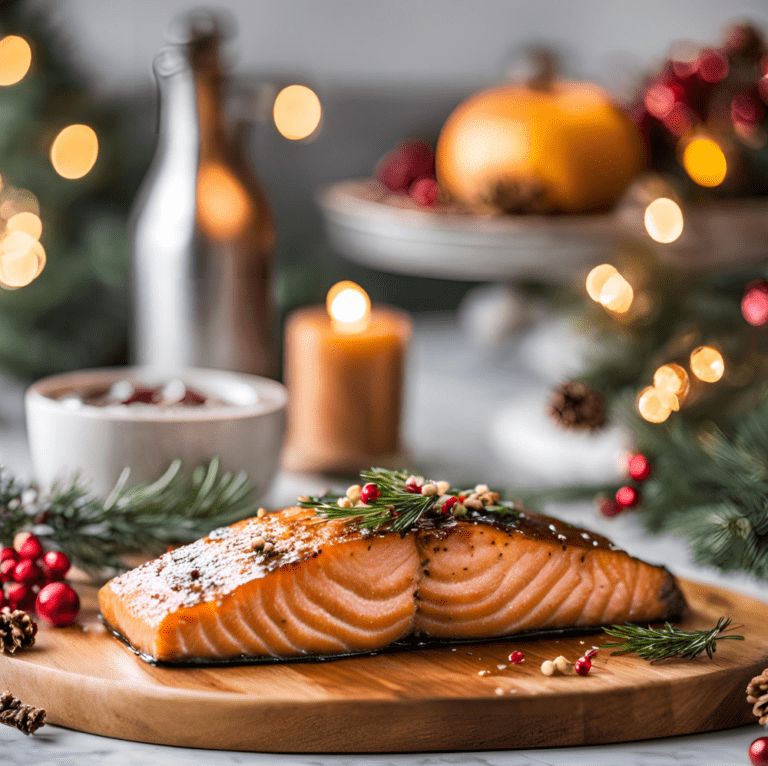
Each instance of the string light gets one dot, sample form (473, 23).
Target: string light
(608, 288)
(22, 259)
(25, 222)
(74, 151)
(654, 405)
(707, 364)
(297, 112)
(663, 220)
(674, 380)
(704, 161)
(597, 278)
(15, 59)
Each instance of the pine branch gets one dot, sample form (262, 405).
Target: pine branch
(656, 644)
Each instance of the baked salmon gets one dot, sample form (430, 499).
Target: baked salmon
(295, 584)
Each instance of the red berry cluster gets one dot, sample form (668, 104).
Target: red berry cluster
(628, 496)
(410, 169)
(32, 579)
(724, 85)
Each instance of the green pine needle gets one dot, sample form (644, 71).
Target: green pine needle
(656, 644)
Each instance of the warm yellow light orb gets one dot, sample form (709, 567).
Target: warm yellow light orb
(655, 406)
(663, 220)
(673, 379)
(297, 112)
(704, 161)
(617, 294)
(74, 151)
(707, 364)
(28, 223)
(222, 202)
(349, 307)
(597, 278)
(21, 260)
(15, 59)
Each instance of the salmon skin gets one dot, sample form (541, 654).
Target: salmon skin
(293, 584)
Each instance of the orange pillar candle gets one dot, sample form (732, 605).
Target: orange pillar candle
(344, 372)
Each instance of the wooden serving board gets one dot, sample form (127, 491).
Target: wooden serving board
(414, 700)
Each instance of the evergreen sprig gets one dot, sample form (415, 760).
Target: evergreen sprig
(656, 644)
(97, 532)
(397, 508)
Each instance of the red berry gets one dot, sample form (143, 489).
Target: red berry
(6, 570)
(609, 508)
(448, 504)
(31, 549)
(27, 572)
(425, 191)
(398, 169)
(758, 751)
(590, 654)
(639, 467)
(194, 398)
(56, 564)
(412, 485)
(754, 305)
(516, 658)
(370, 493)
(58, 604)
(20, 596)
(583, 666)
(8, 553)
(712, 65)
(143, 396)
(19, 539)
(628, 497)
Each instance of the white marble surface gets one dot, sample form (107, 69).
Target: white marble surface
(454, 393)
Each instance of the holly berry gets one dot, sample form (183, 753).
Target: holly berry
(758, 751)
(583, 666)
(628, 497)
(27, 572)
(413, 485)
(448, 504)
(19, 539)
(609, 507)
(639, 467)
(8, 553)
(398, 169)
(6, 570)
(58, 604)
(754, 305)
(56, 565)
(369, 493)
(19, 596)
(31, 548)
(425, 191)
(516, 658)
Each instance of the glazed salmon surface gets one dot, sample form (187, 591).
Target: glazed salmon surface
(292, 584)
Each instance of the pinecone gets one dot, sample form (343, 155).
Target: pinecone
(15, 713)
(17, 630)
(757, 693)
(577, 405)
(518, 195)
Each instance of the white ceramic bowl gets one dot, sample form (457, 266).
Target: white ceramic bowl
(97, 443)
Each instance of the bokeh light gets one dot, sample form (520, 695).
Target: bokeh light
(617, 294)
(26, 222)
(597, 278)
(74, 151)
(673, 379)
(654, 405)
(707, 364)
(704, 161)
(222, 202)
(22, 259)
(297, 112)
(663, 220)
(349, 307)
(754, 304)
(15, 59)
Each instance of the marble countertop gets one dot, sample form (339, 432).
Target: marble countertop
(450, 440)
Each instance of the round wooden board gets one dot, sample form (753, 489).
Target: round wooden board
(415, 700)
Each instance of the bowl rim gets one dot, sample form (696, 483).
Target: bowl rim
(38, 395)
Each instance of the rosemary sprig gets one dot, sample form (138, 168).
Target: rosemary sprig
(96, 532)
(656, 644)
(399, 508)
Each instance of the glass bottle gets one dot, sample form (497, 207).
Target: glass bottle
(202, 229)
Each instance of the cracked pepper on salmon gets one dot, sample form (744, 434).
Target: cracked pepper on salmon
(294, 584)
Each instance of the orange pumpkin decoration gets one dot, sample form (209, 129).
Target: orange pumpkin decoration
(562, 146)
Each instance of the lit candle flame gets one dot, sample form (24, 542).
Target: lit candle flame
(349, 307)
(705, 162)
(663, 220)
(74, 151)
(297, 112)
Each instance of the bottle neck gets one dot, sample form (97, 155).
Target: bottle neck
(177, 123)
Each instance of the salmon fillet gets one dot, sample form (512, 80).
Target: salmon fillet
(293, 584)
